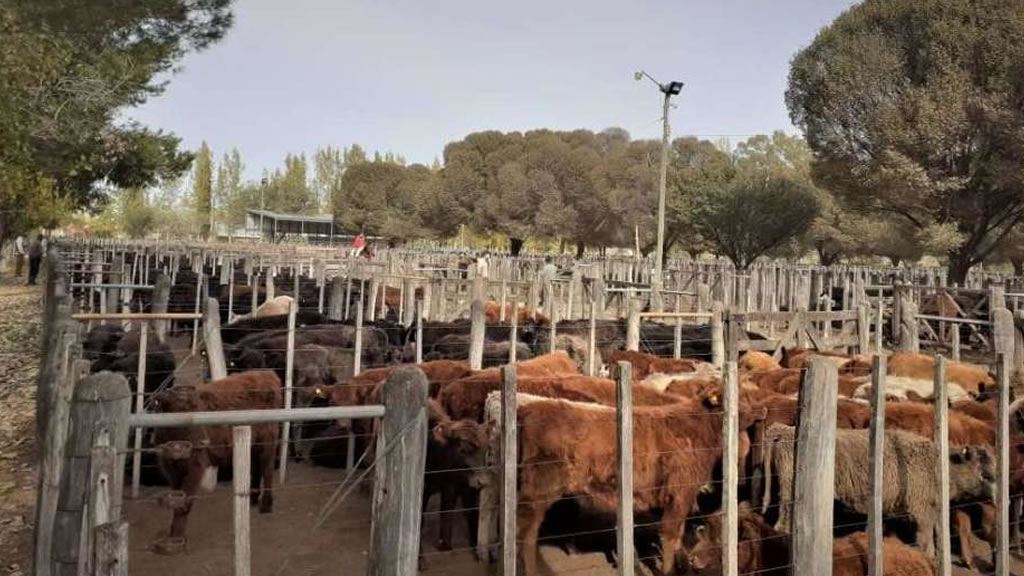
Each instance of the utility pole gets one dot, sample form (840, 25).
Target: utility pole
(657, 282)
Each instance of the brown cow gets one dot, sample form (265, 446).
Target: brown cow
(646, 364)
(756, 360)
(797, 357)
(973, 379)
(492, 311)
(211, 445)
(569, 449)
(765, 551)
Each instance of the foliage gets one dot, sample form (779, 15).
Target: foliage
(69, 68)
(913, 109)
(376, 201)
(755, 213)
(202, 195)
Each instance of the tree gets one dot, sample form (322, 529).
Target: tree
(69, 68)
(202, 189)
(328, 167)
(757, 212)
(374, 201)
(229, 193)
(137, 217)
(912, 108)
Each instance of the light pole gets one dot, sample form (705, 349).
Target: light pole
(669, 90)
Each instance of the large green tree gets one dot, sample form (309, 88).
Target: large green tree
(913, 108)
(376, 200)
(69, 68)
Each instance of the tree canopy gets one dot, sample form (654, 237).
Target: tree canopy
(69, 69)
(913, 109)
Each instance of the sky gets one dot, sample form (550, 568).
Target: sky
(408, 76)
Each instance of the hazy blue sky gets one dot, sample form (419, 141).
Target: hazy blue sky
(409, 76)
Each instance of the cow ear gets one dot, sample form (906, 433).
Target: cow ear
(966, 453)
(712, 400)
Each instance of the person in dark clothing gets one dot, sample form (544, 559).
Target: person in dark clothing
(35, 258)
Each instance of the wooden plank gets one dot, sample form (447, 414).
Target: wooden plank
(717, 335)
(509, 469)
(398, 486)
(624, 456)
(815, 469)
(795, 324)
(730, 471)
(941, 405)
(161, 296)
(760, 345)
(514, 334)
(591, 340)
(241, 482)
(139, 316)
(140, 407)
(876, 566)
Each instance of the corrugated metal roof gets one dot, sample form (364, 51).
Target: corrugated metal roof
(318, 219)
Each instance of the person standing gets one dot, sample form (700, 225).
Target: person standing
(19, 255)
(35, 258)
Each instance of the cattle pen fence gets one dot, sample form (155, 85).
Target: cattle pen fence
(90, 423)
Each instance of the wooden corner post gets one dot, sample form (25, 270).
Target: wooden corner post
(398, 488)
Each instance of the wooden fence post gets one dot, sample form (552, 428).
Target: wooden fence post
(717, 335)
(371, 302)
(241, 482)
(419, 331)
(876, 565)
(908, 328)
(409, 304)
(338, 299)
(476, 334)
(140, 406)
(357, 355)
(53, 407)
(592, 341)
(624, 452)
(1003, 338)
(111, 549)
(99, 498)
(730, 471)
(815, 469)
(633, 326)
(509, 469)
(514, 334)
(289, 380)
(100, 401)
(941, 405)
(161, 297)
(398, 487)
(214, 345)
(1002, 551)
(863, 328)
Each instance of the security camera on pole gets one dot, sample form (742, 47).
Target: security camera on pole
(669, 90)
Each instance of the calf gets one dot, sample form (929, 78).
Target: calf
(765, 551)
(211, 445)
(274, 307)
(646, 364)
(908, 468)
(232, 333)
(112, 349)
(903, 388)
(755, 360)
(568, 449)
(456, 347)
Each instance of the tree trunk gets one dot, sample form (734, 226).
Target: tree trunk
(515, 245)
(580, 249)
(561, 246)
(3, 231)
(958, 267)
(1018, 266)
(826, 258)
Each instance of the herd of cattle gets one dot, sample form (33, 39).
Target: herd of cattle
(567, 434)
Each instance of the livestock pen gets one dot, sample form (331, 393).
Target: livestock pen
(417, 307)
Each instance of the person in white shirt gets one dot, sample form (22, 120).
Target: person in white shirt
(19, 256)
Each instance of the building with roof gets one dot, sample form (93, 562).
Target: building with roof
(277, 226)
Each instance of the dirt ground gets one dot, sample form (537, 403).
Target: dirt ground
(19, 364)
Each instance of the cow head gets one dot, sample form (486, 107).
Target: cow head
(972, 472)
(463, 443)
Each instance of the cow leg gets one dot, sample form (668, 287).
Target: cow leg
(256, 472)
(673, 523)
(471, 503)
(189, 485)
(962, 521)
(267, 463)
(447, 509)
(529, 518)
